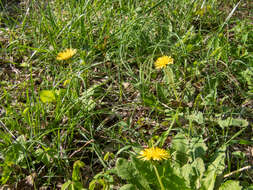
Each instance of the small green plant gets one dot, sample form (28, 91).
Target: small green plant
(103, 181)
(185, 169)
(75, 183)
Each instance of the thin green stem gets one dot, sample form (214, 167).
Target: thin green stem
(158, 177)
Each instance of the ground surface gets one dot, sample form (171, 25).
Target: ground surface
(109, 97)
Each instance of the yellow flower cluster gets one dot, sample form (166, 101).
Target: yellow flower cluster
(163, 61)
(66, 54)
(154, 153)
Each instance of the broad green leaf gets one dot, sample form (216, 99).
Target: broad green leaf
(209, 180)
(128, 187)
(199, 169)
(47, 96)
(197, 117)
(230, 185)
(171, 176)
(173, 182)
(240, 122)
(233, 122)
(199, 166)
(214, 169)
(180, 145)
(198, 148)
(187, 173)
(145, 168)
(218, 165)
(125, 169)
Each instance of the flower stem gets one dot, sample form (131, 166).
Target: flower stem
(158, 177)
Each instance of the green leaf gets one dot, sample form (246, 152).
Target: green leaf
(78, 185)
(124, 148)
(66, 185)
(162, 92)
(128, 187)
(248, 77)
(98, 184)
(187, 173)
(249, 188)
(125, 169)
(199, 170)
(197, 117)
(172, 181)
(233, 122)
(198, 148)
(103, 180)
(24, 64)
(209, 181)
(145, 168)
(151, 101)
(218, 165)
(230, 185)
(180, 145)
(5, 173)
(191, 173)
(86, 98)
(214, 169)
(47, 96)
(42, 156)
(92, 184)
(5, 138)
(76, 170)
(242, 141)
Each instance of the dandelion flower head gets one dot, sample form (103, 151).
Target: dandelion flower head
(163, 61)
(154, 153)
(66, 54)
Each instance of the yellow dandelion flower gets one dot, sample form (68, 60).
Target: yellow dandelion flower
(163, 61)
(66, 54)
(154, 153)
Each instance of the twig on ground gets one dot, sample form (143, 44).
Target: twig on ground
(236, 171)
